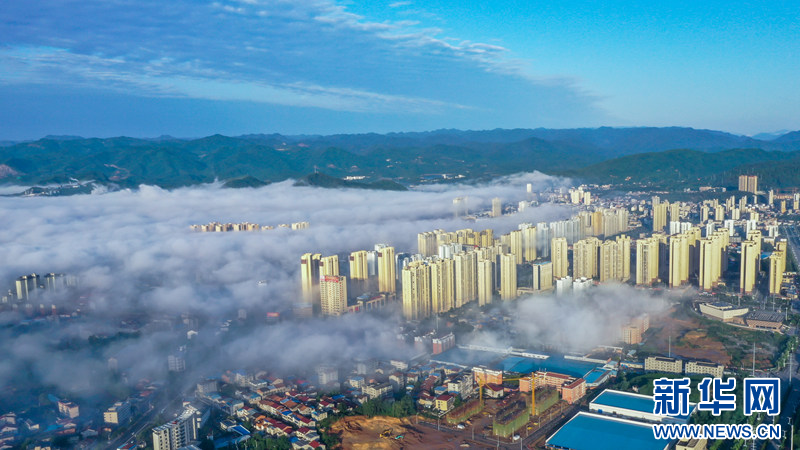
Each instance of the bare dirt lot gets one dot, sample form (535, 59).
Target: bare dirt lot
(689, 340)
(362, 433)
(693, 337)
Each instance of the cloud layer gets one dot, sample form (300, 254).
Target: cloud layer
(134, 254)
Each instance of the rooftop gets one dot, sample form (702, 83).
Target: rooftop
(766, 316)
(594, 375)
(720, 305)
(629, 401)
(594, 432)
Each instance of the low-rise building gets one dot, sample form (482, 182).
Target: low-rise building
(118, 414)
(445, 402)
(444, 343)
(633, 406)
(574, 391)
(377, 390)
(68, 409)
(704, 368)
(483, 376)
(663, 364)
(492, 390)
(549, 379)
(764, 320)
(461, 386)
(723, 311)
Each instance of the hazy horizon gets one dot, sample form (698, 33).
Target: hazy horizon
(773, 134)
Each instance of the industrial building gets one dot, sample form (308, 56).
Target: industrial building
(722, 311)
(764, 320)
(704, 368)
(633, 406)
(663, 364)
(588, 431)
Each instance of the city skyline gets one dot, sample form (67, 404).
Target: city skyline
(325, 224)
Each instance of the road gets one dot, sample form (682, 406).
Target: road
(793, 401)
(137, 426)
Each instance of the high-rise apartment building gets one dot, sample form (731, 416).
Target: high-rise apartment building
(647, 258)
(27, 286)
(609, 261)
(624, 243)
(176, 433)
(559, 257)
(309, 276)
(719, 213)
(529, 253)
(749, 266)
(777, 266)
(427, 243)
(675, 212)
(329, 266)
(659, 214)
(359, 267)
(615, 259)
(748, 183)
(497, 207)
(466, 271)
(416, 291)
(713, 259)
(333, 295)
(442, 284)
(543, 239)
(678, 259)
(755, 236)
(387, 278)
(543, 276)
(597, 223)
(613, 222)
(724, 239)
(513, 241)
(54, 282)
(485, 282)
(508, 277)
(584, 258)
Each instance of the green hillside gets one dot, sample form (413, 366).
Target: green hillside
(690, 168)
(327, 181)
(608, 155)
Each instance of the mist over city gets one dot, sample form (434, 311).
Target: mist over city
(323, 225)
(132, 253)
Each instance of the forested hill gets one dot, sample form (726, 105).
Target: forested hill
(603, 154)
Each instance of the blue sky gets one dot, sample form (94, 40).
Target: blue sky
(193, 68)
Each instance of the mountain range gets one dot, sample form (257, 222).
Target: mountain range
(658, 156)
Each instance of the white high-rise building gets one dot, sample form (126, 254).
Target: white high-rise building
(563, 285)
(176, 433)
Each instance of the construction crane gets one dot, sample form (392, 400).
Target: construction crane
(532, 377)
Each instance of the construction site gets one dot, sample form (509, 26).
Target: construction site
(478, 423)
(519, 415)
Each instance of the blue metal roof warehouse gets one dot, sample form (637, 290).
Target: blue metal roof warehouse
(634, 406)
(588, 431)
